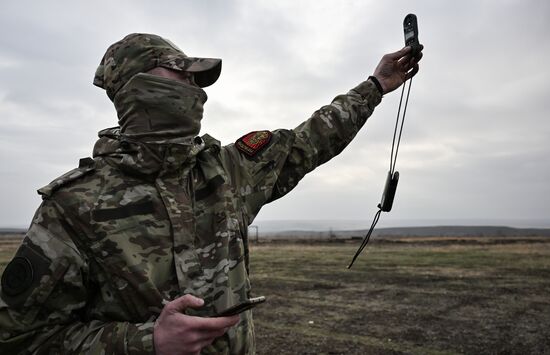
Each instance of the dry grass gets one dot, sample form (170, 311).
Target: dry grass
(403, 298)
(424, 297)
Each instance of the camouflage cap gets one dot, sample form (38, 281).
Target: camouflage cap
(141, 52)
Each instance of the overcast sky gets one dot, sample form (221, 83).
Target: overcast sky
(475, 143)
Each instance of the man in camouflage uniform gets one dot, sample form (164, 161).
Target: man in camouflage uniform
(135, 250)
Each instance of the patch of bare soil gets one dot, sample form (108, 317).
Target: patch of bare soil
(403, 300)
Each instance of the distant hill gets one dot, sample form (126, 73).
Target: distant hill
(394, 232)
(432, 231)
(464, 231)
(12, 230)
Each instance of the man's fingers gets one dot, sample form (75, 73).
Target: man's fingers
(204, 333)
(418, 57)
(181, 303)
(216, 323)
(174, 330)
(404, 61)
(400, 53)
(408, 62)
(209, 336)
(221, 322)
(405, 51)
(204, 337)
(207, 341)
(412, 72)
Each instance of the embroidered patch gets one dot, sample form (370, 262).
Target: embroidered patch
(18, 276)
(253, 142)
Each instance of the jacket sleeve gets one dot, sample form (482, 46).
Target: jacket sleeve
(271, 173)
(44, 294)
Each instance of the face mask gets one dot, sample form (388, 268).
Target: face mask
(151, 108)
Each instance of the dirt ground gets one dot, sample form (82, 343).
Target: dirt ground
(446, 297)
(407, 296)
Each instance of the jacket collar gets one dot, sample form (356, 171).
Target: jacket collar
(149, 159)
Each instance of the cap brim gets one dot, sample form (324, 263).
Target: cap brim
(206, 70)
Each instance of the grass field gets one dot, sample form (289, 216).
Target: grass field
(417, 296)
(409, 298)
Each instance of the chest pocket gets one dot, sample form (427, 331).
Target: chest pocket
(132, 250)
(129, 223)
(217, 222)
(219, 226)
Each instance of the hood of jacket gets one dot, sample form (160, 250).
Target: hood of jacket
(150, 160)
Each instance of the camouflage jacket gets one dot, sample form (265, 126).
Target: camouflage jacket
(140, 225)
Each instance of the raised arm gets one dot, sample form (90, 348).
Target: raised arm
(274, 162)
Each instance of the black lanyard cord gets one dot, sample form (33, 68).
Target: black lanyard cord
(393, 161)
(367, 237)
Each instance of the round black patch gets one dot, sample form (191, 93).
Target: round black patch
(18, 276)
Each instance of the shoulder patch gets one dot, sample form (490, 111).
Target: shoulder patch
(86, 165)
(18, 276)
(252, 143)
(24, 274)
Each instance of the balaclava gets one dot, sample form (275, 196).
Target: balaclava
(151, 108)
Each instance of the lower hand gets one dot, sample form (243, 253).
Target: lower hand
(178, 333)
(396, 68)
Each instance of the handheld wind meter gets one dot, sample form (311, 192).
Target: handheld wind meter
(410, 28)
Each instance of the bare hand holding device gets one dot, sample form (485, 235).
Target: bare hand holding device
(397, 67)
(178, 333)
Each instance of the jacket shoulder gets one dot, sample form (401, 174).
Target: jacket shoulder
(85, 167)
(259, 146)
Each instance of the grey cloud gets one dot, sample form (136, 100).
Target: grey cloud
(475, 139)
